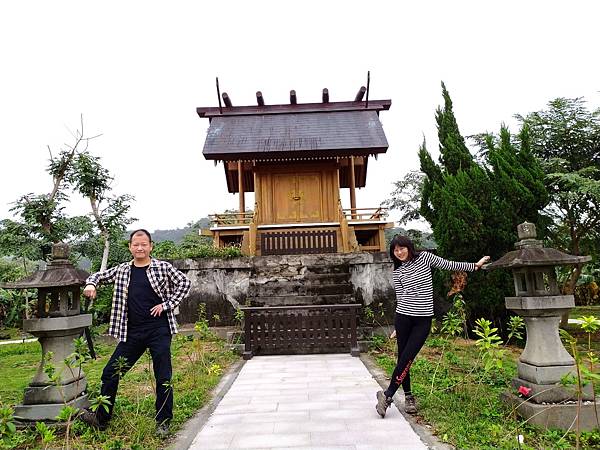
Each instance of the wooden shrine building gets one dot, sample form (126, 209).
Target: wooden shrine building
(296, 157)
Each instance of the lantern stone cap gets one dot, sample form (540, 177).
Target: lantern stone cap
(59, 273)
(536, 256)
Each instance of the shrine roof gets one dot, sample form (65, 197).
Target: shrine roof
(295, 130)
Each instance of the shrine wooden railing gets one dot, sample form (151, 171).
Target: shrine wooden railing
(365, 213)
(300, 329)
(225, 219)
(298, 242)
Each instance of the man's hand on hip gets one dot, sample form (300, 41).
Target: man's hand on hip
(156, 310)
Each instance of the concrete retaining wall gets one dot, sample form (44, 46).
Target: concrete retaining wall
(224, 284)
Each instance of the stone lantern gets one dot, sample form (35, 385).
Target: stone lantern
(56, 324)
(544, 361)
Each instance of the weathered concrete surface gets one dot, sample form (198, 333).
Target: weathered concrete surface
(224, 285)
(552, 393)
(555, 415)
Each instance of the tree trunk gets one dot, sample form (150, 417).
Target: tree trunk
(106, 237)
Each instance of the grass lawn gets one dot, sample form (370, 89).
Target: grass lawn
(461, 401)
(579, 311)
(197, 368)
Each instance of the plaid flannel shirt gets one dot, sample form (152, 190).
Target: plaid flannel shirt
(171, 285)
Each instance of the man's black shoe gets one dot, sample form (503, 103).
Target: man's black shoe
(89, 417)
(162, 429)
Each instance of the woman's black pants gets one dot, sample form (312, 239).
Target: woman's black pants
(411, 333)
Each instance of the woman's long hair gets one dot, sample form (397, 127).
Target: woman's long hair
(402, 241)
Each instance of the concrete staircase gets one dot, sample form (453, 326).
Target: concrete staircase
(301, 283)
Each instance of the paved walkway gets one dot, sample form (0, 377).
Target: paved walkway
(304, 402)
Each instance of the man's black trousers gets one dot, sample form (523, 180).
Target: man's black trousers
(158, 341)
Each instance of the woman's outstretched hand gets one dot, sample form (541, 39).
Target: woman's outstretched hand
(481, 262)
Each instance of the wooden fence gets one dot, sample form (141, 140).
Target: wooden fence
(300, 329)
(298, 242)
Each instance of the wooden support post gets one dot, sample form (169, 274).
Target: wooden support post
(352, 187)
(259, 99)
(360, 94)
(226, 99)
(241, 190)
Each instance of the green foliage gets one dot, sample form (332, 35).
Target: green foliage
(46, 434)
(516, 326)
(100, 401)
(474, 207)
(566, 137)
(488, 344)
(12, 302)
(461, 398)
(193, 246)
(7, 424)
(585, 362)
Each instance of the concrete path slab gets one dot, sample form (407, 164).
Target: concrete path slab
(304, 402)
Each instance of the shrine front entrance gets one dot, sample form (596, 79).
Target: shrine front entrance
(297, 198)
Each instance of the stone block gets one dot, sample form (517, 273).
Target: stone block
(46, 412)
(552, 393)
(541, 304)
(57, 324)
(53, 393)
(542, 374)
(555, 415)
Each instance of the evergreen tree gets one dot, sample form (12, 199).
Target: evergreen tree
(474, 207)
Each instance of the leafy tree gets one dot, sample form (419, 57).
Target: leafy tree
(473, 206)
(91, 180)
(566, 138)
(42, 218)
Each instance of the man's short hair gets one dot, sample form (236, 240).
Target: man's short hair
(141, 230)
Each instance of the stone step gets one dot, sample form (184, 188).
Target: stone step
(297, 288)
(327, 278)
(301, 300)
(327, 269)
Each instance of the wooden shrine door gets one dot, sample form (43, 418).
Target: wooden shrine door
(297, 198)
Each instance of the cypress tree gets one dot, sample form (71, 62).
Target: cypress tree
(474, 207)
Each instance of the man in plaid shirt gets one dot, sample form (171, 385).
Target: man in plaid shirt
(146, 293)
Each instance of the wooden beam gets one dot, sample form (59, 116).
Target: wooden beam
(293, 99)
(325, 95)
(360, 94)
(352, 188)
(226, 99)
(241, 187)
(259, 99)
(374, 105)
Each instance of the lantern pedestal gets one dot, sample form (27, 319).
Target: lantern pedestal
(556, 415)
(44, 399)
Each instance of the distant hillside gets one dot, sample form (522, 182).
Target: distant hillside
(178, 234)
(422, 239)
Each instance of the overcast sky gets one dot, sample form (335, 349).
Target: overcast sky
(137, 70)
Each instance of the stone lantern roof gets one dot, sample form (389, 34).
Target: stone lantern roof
(526, 257)
(530, 252)
(59, 273)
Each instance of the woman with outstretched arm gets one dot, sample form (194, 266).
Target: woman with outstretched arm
(414, 311)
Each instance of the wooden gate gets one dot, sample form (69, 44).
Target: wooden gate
(300, 329)
(298, 242)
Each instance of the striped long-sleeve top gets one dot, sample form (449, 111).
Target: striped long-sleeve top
(413, 283)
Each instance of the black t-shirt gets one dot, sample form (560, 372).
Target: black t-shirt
(141, 298)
